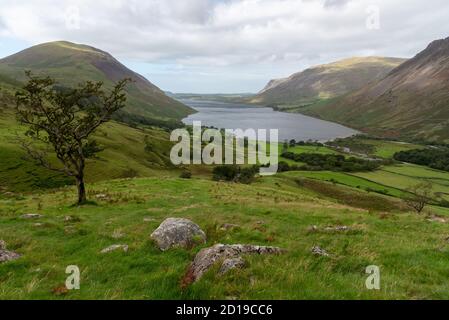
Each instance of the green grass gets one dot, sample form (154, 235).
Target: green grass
(406, 176)
(413, 262)
(387, 149)
(349, 180)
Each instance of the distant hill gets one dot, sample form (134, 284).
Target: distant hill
(412, 101)
(71, 63)
(325, 81)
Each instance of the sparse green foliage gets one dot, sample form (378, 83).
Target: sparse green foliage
(235, 173)
(63, 119)
(421, 196)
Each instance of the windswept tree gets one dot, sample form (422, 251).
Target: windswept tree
(420, 196)
(63, 119)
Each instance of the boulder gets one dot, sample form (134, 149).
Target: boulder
(115, 247)
(206, 258)
(177, 232)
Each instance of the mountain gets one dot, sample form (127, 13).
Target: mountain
(411, 102)
(325, 81)
(71, 63)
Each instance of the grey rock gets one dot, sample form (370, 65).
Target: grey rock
(177, 232)
(229, 264)
(6, 255)
(316, 250)
(206, 258)
(115, 247)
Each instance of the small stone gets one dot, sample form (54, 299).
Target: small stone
(229, 264)
(101, 196)
(229, 226)
(436, 219)
(37, 225)
(115, 247)
(68, 218)
(148, 219)
(31, 216)
(320, 252)
(6, 255)
(337, 228)
(312, 229)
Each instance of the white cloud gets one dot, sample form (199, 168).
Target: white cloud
(270, 38)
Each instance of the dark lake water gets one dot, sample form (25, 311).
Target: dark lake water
(240, 116)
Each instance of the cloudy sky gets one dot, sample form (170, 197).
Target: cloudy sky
(227, 46)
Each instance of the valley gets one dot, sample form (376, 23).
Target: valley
(333, 214)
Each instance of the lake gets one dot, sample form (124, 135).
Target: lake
(290, 125)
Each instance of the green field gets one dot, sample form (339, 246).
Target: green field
(387, 149)
(349, 180)
(406, 176)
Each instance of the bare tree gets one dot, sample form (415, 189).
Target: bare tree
(420, 196)
(63, 119)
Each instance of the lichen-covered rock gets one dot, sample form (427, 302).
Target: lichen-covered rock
(206, 258)
(229, 264)
(178, 232)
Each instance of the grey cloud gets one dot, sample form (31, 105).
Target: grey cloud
(231, 38)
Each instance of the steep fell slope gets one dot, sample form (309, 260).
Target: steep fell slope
(411, 102)
(326, 81)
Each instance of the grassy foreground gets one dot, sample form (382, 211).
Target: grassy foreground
(410, 251)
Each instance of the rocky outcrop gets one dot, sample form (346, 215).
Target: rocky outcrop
(178, 232)
(230, 264)
(229, 255)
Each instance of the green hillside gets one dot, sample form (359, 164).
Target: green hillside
(126, 154)
(411, 102)
(71, 64)
(325, 81)
(274, 211)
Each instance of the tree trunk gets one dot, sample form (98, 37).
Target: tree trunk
(82, 199)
